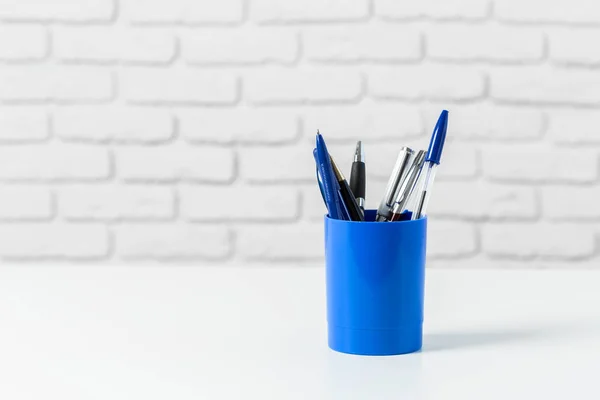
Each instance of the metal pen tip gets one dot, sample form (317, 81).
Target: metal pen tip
(359, 155)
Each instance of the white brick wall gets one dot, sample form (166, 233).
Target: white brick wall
(182, 130)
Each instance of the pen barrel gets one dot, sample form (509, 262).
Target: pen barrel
(348, 198)
(425, 191)
(399, 170)
(358, 180)
(384, 211)
(407, 186)
(330, 185)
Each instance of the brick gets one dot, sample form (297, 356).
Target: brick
(449, 9)
(238, 125)
(576, 11)
(54, 241)
(23, 124)
(463, 243)
(427, 82)
(175, 85)
(53, 162)
(545, 85)
(574, 126)
(485, 43)
(240, 46)
(70, 11)
(581, 203)
(43, 83)
(176, 162)
(571, 46)
(482, 201)
(559, 241)
(302, 241)
(375, 190)
(23, 43)
(362, 43)
(118, 124)
(301, 86)
(526, 164)
(313, 208)
(515, 264)
(185, 11)
(460, 162)
(116, 202)
(223, 203)
(366, 120)
(273, 11)
(111, 44)
(493, 122)
(343, 153)
(277, 164)
(170, 241)
(25, 203)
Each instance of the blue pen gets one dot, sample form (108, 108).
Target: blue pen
(434, 153)
(330, 185)
(319, 180)
(345, 212)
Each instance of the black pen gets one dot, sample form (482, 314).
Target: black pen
(358, 179)
(348, 198)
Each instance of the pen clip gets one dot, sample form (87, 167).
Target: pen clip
(408, 183)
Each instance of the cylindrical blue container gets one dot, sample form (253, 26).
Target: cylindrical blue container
(375, 285)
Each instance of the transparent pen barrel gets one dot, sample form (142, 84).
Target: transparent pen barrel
(424, 192)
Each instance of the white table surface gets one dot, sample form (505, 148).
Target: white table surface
(178, 333)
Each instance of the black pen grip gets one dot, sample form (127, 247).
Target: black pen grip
(358, 179)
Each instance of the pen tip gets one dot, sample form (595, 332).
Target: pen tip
(358, 153)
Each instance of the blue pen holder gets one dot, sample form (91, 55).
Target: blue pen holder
(375, 285)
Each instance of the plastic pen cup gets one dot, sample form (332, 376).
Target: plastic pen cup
(375, 284)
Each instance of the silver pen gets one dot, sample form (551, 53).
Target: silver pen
(408, 185)
(384, 211)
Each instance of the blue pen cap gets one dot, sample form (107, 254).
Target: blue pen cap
(436, 145)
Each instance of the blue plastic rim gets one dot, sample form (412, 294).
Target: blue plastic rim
(375, 285)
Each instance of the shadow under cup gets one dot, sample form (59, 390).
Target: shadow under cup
(375, 285)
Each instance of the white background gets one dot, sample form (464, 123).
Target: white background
(183, 130)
